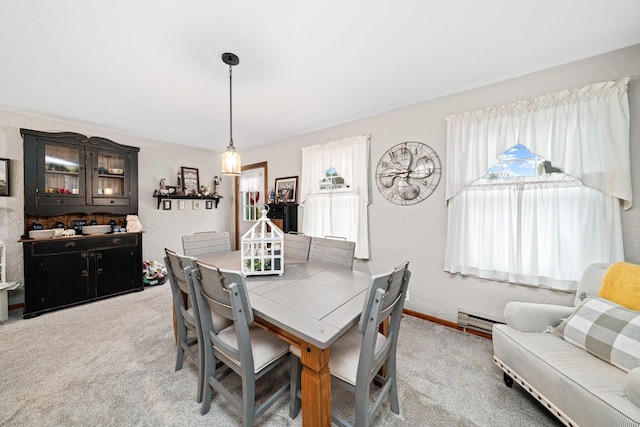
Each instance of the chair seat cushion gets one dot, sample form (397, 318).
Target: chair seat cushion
(219, 322)
(265, 347)
(345, 354)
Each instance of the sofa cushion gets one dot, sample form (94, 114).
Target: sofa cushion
(590, 282)
(606, 330)
(633, 387)
(621, 284)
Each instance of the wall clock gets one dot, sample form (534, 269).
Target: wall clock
(408, 173)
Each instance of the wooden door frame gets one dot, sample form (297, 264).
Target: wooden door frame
(237, 195)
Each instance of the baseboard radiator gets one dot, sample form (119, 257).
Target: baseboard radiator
(475, 322)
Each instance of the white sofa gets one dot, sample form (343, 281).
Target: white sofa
(576, 386)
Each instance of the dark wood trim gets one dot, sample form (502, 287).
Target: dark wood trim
(443, 322)
(16, 306)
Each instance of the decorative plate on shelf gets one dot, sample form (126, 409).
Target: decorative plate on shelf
(408, 173)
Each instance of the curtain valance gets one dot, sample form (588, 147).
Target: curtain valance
(584, 132)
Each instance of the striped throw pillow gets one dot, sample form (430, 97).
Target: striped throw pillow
(606, 330)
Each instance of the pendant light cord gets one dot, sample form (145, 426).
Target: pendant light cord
(230, 109)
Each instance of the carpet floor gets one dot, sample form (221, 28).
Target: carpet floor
(111, 363)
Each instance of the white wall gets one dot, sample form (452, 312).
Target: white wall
(417, 233)
(157, 159)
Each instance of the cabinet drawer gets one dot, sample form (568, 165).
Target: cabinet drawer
(276, 210)
(58, 246)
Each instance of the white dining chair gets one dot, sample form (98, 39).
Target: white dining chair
(358, 356)
(296, 245)
(243, 348)
(188, 338)
(208, 242)
(332, 250)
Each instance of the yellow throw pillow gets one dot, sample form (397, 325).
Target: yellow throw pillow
(621, 284)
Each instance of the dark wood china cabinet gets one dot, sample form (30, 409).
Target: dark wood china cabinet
(70, 173)
(71, 176)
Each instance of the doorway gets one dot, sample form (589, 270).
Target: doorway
(251, 195)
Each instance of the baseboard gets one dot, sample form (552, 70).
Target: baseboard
(16, 306)
(443, 322)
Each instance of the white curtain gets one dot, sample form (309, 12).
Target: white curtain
(584, 132)
(252, 180)
(342, 211)
(540, 233)
(514, 233)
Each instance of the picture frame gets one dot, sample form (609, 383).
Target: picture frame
(166, 205)
(197, 205)
(190, 184)
(182, 205)
(208, 204)
(5, 177)
(286, 189)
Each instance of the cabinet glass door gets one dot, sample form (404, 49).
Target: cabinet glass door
(63, 175)
(111, 183)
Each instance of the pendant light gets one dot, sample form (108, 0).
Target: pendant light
(230, 158)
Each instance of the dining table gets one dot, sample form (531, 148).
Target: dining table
(310, 305)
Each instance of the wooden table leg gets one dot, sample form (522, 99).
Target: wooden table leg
(316, 386)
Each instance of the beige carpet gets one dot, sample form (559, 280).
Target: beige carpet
(111, 363)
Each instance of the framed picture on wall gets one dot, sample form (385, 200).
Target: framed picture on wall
(5, 182)
(208, 204)
(286, 189)
(166, 205)
(190, 181)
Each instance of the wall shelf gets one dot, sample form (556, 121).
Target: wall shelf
(216, 198)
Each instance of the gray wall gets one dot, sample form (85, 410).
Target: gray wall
(417, 233)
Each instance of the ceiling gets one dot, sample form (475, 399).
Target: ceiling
(153, 68)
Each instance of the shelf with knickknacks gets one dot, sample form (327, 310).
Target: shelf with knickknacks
(167, 192)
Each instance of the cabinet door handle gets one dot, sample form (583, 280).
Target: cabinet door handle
(117, 240)
(70, 245)
(112, 201)
(85, 273)
(99, 271)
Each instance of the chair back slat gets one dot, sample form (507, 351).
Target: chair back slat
(297, 245)
(332, 251)
(206, 243)
(215, 287)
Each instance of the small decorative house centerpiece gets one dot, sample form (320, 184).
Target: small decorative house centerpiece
(262, 248)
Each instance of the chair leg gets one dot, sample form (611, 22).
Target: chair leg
(393, 396)
(248, 400)
(202, 380)
(209, 370)
(393, 388)
(362, 405)
(294, 388)
(182, 337)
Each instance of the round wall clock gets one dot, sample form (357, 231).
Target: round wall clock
(408, 173)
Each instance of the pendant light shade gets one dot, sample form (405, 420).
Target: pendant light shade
(230, 158)
(231, 162)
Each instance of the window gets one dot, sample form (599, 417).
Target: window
(540, 211)
(334, 191)
(251, 193)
